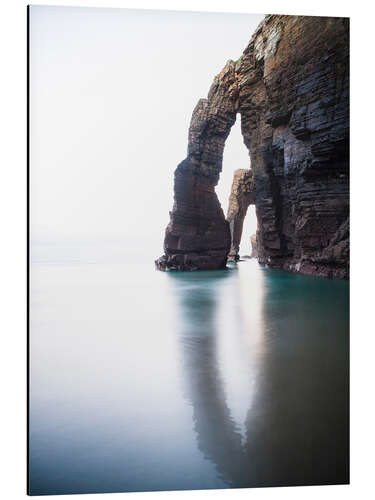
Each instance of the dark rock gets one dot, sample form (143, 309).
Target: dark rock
(241, 196)
(291, 87)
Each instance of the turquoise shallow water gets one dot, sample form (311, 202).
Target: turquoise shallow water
(142, 380)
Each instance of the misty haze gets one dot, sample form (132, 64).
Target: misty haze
(168, 349)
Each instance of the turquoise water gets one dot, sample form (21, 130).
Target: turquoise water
(143, 380)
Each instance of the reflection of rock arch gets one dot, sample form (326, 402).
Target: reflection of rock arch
(297, 424)
(218, 436)
(290, 87)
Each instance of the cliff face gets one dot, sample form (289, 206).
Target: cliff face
(291, 88)
(241, 196)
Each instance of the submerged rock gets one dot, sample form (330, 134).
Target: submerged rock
(291, 87)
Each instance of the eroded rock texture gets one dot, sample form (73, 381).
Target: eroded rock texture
(241, 196)
(198, 236)
(291, 88)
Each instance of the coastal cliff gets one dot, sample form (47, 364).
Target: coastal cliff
(291, 89)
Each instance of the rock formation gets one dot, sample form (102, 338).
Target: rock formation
(198, 235)
(291, 88)
(241, 196)
(254, 247)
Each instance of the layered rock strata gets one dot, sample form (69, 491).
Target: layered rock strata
(198, 235)
(291, 88)
(241, 196)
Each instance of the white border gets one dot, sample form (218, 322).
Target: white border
(13, 242)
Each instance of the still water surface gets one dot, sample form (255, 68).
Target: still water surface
(143, 380)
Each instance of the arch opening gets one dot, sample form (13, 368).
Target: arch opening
(248, 238)
(235, 156)
(235, 192)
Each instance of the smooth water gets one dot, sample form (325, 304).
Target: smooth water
(142, 380)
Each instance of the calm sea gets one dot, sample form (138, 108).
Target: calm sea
(142, 380)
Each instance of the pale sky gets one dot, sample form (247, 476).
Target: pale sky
(111, 96)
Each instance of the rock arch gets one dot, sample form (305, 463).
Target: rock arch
(290, 87)
(198, 235)
(242, 195)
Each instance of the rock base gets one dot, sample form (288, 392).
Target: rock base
(192, 262)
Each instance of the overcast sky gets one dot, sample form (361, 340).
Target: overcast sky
(111, 96)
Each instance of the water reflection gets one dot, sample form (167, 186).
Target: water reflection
(145, 381)
(299, 434)
(283, 341)
(200, 297)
